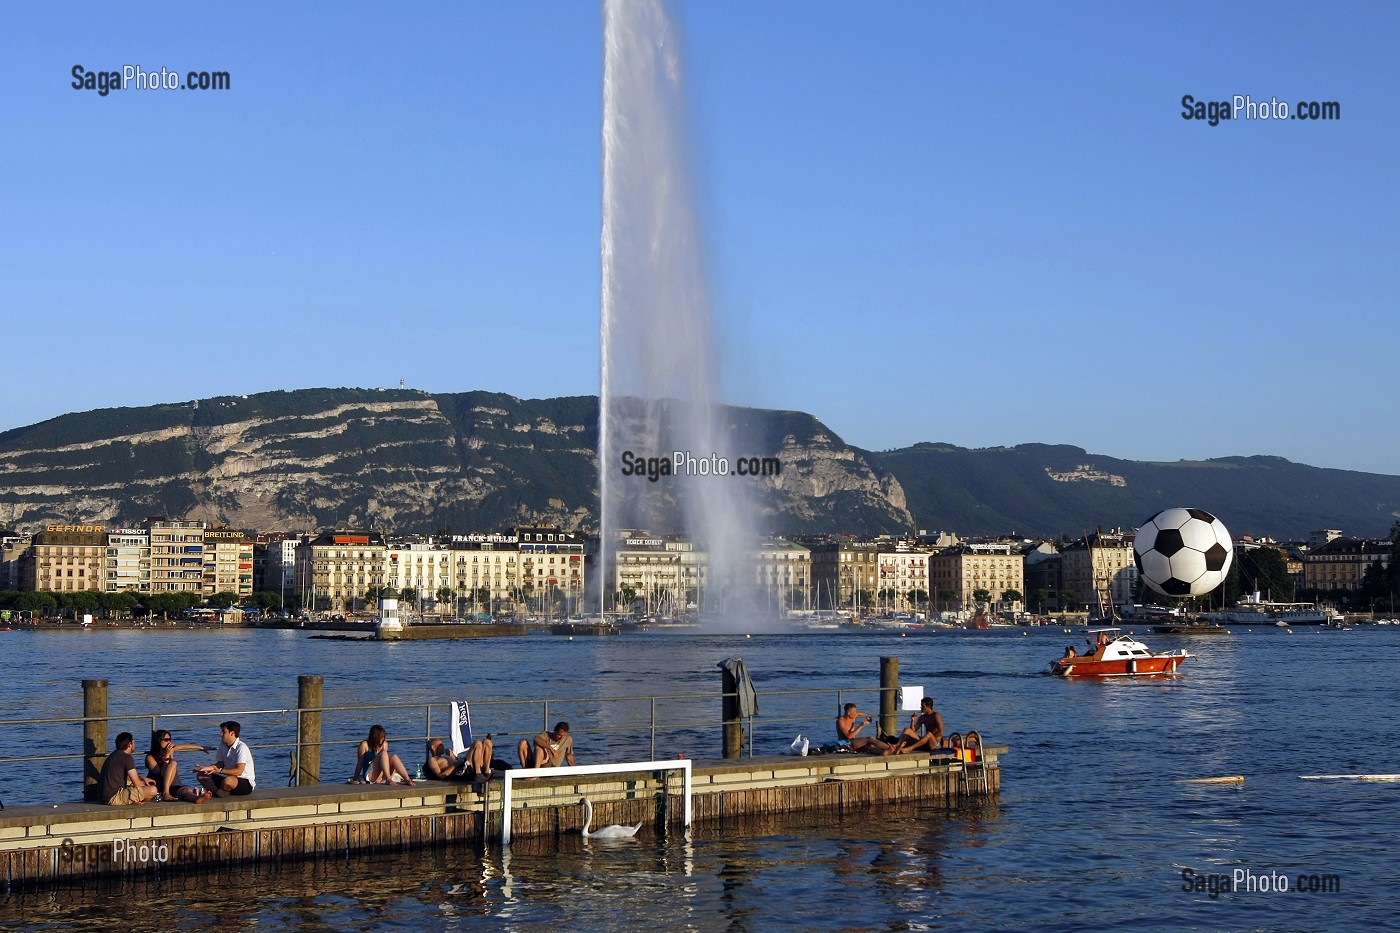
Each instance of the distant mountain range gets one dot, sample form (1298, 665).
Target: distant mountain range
(407, 461)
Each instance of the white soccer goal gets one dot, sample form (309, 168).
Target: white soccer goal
(514, 774)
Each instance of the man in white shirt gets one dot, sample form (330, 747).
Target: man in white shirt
(231, 774)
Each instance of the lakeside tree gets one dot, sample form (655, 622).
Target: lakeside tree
(80, 602)
(981, 596)
(119, 604)
(265, 600)
(1260, 568)
(37, 603)
(375, 593)
(1011, 596)
(223, 599)
(1038, 599)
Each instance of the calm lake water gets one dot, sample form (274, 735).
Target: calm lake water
(1093, 828)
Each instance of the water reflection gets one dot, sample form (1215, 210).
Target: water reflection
(1092, 823)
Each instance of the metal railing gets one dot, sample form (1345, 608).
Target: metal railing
(345, 726)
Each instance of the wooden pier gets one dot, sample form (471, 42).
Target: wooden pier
(72, 843)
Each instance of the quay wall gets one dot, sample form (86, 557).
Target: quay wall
(48, 846)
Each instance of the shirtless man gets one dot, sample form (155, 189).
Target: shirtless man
(930, 722)
(551, 749)
(848, 727)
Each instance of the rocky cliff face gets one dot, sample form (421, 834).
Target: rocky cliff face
(397, 460)
(407, 462)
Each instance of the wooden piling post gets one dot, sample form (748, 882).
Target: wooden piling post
(94, 735)
(889, 696)
(729, 713)
(309, 692)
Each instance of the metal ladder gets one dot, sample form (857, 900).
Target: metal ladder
(974, 773)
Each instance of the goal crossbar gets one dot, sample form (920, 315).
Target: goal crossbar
(622, 767)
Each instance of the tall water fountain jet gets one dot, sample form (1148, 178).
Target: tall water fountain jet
(659, 386)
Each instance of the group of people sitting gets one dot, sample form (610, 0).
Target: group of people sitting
(231, 774)
(924, 732)
(375, 764)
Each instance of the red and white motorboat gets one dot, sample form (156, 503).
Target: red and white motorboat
(1113, 654)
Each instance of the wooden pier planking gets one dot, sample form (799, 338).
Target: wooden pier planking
(45, 846)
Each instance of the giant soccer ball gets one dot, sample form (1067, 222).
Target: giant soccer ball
(1183, 552)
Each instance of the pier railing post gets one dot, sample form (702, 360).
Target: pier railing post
(309, 691)
(733, 723)
(94, 735)
(889, 696)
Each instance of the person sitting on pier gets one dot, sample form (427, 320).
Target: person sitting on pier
(440, 765)
(232, 771)
(119, 784)
(550, 749)
(161, 767)
(848, 727)
(376, 765)
(925, 729)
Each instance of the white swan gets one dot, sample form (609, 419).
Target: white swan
(604, 832)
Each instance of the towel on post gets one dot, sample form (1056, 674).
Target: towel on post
(748, 697)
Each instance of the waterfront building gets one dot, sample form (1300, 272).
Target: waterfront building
(1342, 563)
(966, 568)
(12, 547)
(336, 569)
(663, 574)
(419, 570)
(64, 559)
(783, 573)
(126, 565)
(551, 566)
(903, 576)
(1041, 568)
(177, 556)
(485, 571)
(275, 564)
(1099, 565)
(845, 573)
(228, 563)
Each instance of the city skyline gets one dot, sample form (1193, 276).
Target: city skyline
(993, 204)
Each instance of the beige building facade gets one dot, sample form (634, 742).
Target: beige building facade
(336, 570)
(228, 563)
(1101, 564)
(177, 556)
(64, 559)
(966, 568)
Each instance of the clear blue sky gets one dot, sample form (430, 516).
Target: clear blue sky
(980, 224)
